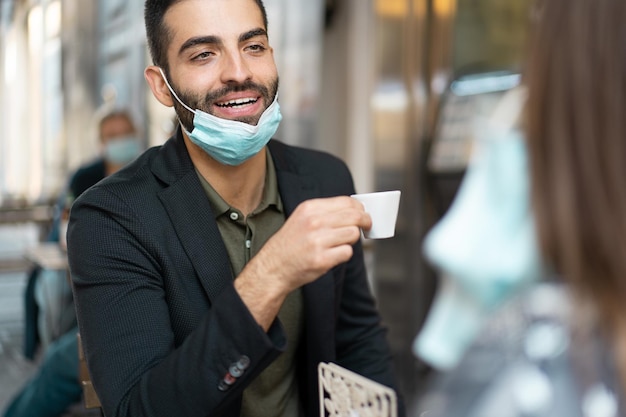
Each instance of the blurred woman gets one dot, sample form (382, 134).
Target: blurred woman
(556, 347)
(576, 137)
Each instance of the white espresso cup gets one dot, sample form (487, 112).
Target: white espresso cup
(383, 209)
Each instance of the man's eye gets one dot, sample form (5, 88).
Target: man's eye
(256, 48)
(202, 55)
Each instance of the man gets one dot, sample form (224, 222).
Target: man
(214, 273)
(50, 317)
(120, 145)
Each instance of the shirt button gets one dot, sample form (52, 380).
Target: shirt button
(234, 216)
(248, 244)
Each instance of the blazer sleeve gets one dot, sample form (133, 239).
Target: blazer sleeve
(136, 364)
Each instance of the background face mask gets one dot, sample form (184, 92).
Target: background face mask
(231, 142)
(122, 150)
(485, 247)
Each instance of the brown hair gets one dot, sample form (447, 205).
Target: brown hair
(576, 132)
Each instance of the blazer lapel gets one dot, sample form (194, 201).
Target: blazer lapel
(191, 215)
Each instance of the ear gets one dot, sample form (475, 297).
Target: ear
(158, 86)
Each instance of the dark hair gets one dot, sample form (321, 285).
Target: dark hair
(576, 133)
(159, 35)
(115, 114)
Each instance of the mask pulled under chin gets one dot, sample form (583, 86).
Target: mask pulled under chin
(232, 142)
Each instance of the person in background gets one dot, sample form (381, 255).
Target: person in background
(56, 384)
(49, 308)
(556, 347)
(120, 144)
(214, 273)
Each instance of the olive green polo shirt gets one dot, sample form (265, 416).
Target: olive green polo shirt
(275, 391)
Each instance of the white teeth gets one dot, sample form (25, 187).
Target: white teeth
(237, 102)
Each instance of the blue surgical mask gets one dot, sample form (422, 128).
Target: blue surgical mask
(485, 248)
(122, 150)
(231, 142)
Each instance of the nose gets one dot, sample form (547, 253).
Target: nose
(235, 68)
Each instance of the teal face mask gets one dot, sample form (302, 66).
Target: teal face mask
(121, 151)
(485, 248)
(231, 142)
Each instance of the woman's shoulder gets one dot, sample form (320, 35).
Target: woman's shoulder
(528, 360)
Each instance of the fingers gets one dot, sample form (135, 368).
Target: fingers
(338, 255)
(322, 239)
(317, 236)
(335, 212)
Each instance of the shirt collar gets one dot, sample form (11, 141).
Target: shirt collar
(270, 196)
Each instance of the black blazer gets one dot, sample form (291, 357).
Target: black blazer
(159, 316)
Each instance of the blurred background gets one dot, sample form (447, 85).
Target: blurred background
(397, 88)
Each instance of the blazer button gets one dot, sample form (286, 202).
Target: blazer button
(229, 379)
(243, 362)
(235, 371)
(226, 382)
(238, 368)
(222, 386)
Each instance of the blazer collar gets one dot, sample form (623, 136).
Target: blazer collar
(294, 183)
(172, 160)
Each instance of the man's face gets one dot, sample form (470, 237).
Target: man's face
(115, 128)
(220, 60)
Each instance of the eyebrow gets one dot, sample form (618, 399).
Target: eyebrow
(215, 40)
(252, 34)
(200, 40)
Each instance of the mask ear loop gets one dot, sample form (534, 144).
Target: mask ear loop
(174, 93)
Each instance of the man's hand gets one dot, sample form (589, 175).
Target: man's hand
(316, 237)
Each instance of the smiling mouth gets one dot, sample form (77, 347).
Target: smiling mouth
(237, 103)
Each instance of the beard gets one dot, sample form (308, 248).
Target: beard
(195, 101)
